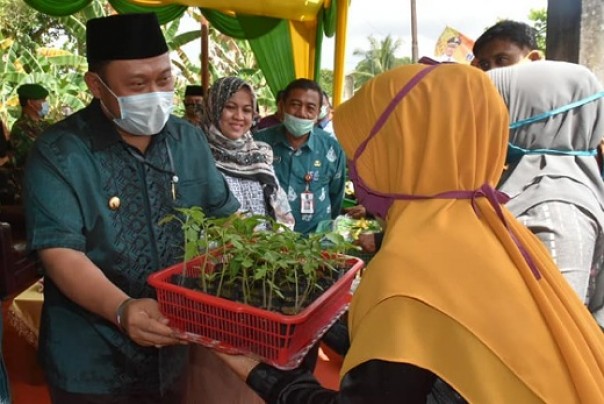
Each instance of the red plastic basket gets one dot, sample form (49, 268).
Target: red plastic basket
(277, 339)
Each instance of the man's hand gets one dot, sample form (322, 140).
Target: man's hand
(367, 242)
(356, 212)
(145, 325)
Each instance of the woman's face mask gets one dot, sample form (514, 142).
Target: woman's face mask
(377, 205)
(298, 127)
(143, 114)
(375, 202)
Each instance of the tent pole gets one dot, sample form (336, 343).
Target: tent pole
(205, 73)
(414, 52)
(340, 51)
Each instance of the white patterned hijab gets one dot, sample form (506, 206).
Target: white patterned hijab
(534, 88)
(243, 158)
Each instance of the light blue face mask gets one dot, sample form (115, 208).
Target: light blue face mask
(516, 152)
(298, 127)
(323, 112)
(44, 110)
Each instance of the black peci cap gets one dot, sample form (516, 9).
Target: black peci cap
(32, 92)
(124, 36)
(194, 90)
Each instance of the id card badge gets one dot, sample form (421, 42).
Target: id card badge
(307, 202)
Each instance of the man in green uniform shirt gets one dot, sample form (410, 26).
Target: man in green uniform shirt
(309, 163)
(25, 130)
(34, 107)
(97, 186)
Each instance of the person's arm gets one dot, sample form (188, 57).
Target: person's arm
(377, 239)
(337, 185)
(89, 287)
(3, 144)
(372, 382)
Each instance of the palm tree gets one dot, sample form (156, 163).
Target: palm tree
(379, 58)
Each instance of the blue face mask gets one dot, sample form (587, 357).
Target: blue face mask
(556, 111)
(324, 111)
(516, 152)
(298, 127)
(44, 110)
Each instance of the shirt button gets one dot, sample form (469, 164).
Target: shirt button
(114, 203)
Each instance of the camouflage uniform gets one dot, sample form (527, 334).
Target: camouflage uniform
(25, 130)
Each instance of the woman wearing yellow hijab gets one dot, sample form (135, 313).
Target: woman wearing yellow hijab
(459, 291)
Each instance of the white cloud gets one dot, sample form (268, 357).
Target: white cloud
(393, 17)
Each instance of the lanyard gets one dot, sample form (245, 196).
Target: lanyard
(174, 178)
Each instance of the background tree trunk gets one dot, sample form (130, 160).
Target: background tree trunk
(563, 30)
(575, 33)
(591, 52)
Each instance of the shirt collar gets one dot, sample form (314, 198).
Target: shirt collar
(103, 132)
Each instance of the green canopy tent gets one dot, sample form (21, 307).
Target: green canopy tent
(285, 36)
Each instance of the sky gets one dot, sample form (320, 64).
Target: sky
(393, 17)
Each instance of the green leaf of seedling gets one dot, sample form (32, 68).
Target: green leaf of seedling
(247, 262)
(260, 273)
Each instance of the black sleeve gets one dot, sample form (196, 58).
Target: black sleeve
(371, 382)
(377, 240)
(3, 143)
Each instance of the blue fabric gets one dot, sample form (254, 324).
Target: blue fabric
(4, 385)
(322, 157)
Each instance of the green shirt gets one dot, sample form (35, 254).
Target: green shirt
(73, 171)
(24, 132)
(323, 160)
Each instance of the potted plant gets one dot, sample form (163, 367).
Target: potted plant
(250, 285)
(240, 263)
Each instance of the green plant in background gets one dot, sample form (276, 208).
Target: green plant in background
(326, 82)
(227, 57)
(48, 52)
(51, 51)
(261, 265)
(539, 18)
(379, 58)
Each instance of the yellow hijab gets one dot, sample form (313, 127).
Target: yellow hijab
(450, 290)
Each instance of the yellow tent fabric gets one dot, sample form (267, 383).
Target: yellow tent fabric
(302, 16)
(299, 10)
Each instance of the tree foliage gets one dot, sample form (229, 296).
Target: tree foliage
(539, 19)
(47, 52)
(379, 58)
(227, 57)
(38, 48)
(325, 80)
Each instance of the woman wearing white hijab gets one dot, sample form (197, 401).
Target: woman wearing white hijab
(557, 120)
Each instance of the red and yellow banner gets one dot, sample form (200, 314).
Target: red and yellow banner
(453, 46)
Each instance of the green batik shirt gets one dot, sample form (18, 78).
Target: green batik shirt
(321, 159)
(24, 132)
(74, 170)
